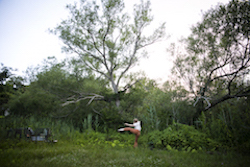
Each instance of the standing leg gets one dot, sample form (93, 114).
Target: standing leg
(136, 139)
(134, 131)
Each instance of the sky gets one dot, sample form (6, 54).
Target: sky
(26, 42)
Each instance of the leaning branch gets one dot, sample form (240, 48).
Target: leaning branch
(205, 98)
(90, 97)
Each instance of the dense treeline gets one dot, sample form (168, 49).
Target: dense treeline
(78, 92)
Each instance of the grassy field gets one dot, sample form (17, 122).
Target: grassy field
(65, 153)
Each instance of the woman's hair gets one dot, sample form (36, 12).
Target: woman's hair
(135, 120)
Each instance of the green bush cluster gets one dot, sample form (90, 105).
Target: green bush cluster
(181, 137)
(96, 139)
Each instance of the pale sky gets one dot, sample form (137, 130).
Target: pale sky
(25, 40)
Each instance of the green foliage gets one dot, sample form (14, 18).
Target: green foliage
(9, 85)
(182, 137)
(182, 142)
(105, 37)
(101, 140)
(56, 84)
(65, 153)
(221, 132)
(229, 124)
(201, 123)
(216, 74)
(156, 109)
(150, 120)
(209, 65)
(132, 101)
(34, 101)
(96, 123)
(62, 96)
(60, 129)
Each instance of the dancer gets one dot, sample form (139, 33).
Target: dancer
(136, 130)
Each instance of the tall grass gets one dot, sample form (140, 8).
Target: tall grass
(150, 121)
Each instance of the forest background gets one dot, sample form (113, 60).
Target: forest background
(204, 106)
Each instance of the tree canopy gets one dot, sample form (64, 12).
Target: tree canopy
(216, 63)
(105, 39)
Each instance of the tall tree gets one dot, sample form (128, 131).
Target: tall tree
(217, 61)
(105, 38)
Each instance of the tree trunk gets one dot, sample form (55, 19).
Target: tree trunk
(115, 89)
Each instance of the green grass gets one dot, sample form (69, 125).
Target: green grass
(70, 154)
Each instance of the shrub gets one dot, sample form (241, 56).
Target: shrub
(94, 139)
(181, 137)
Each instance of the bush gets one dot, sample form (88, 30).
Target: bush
(94, 139)
(181, 137)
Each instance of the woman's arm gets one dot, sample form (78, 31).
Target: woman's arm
(127, 124)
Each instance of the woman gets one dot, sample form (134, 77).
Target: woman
(136, 130)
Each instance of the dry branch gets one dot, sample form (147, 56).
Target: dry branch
(91, 97)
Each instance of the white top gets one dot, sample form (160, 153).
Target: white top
(137, 125)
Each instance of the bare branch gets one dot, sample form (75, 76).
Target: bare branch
(96, 111)
(205, 98)
(91, 97)
(90, 66)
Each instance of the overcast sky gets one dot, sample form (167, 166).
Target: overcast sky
(25, 40)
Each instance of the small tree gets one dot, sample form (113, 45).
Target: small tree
(9, 84)
(105, 38)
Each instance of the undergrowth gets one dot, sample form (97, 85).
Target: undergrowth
(183, 138)
(178, 145)
(70, 154)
